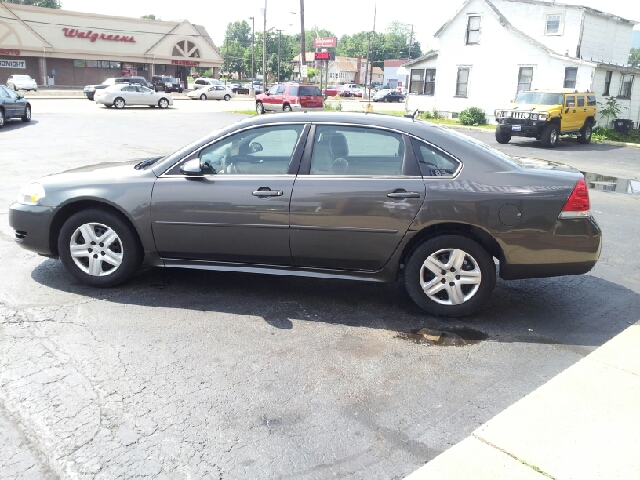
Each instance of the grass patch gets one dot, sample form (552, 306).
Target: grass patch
(601, 133)
(448, 121)
(244, 112)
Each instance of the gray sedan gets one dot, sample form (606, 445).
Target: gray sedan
(332, 195)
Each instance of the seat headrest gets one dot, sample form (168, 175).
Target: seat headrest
(339, 146)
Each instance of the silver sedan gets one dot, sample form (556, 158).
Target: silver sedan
(124, 94)
(214, 92)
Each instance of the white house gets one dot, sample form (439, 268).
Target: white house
(491, 49)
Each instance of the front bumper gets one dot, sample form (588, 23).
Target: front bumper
(31, 224)
(521, 128)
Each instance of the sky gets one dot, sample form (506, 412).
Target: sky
(335, 15)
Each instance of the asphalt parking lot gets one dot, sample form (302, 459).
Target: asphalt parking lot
(189, 374)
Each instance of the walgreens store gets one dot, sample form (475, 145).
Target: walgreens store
(64, 48)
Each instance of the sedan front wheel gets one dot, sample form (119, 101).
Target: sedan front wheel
(99, 248)
(163, 103)
(203, 97)
(450, 275)
(118, 102)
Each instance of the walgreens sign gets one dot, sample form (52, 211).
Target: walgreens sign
(325, 42)
(93, 36)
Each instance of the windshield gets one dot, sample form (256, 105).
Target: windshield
(22, 77)
(538, 98)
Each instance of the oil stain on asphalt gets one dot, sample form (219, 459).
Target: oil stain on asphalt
(454, 337)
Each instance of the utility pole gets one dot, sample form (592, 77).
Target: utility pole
(264, 50)
(410, 40)
(367, 71)
(279, 41)
(303, 48)
(253, 41)
(373, 41)
(226, 59)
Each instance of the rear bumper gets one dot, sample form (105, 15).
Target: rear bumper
(296, 107)
(31, 225)
(572, 248)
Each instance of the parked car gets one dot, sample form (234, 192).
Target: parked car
(13, 105)
(327, 195)
(22, 82)
(203, 82)
(90, 90)
(546, 115)
(120, 95)
(388, 96)
(162, 83)
(214, 92)
(134, 81)
(290, 97)
(353, 89)
(332, 90)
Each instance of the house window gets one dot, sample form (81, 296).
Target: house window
(607, 82)
(626, 83)
(462, 81)
(553, 24)
(525, 76)
(570, 74)
(473, 30)
(417, 81)
(430, 81)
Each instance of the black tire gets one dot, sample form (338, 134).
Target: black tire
(549, 137)
(27, 114)
(385, 99)
(119, 102)
(203, 97)
(502, 137)
(475, 259)
(90, 98)
(163, 103)
(287, 108)
(126, 246)
(2, 118)
(259, 108)
(585, 134)
(227, 97)
(180, 91)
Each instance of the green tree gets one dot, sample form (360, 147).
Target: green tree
(634, 57)
(151, 16)
(36, 3)
(311, 33)
(239, 32)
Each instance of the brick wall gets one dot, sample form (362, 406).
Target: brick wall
(69, 75)
(33, 69)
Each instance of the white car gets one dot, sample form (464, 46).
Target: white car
(206, 82)
(214, 92)
(122, 94)
(22, 82)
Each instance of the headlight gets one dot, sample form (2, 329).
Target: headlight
(543, 116)
(31, 194)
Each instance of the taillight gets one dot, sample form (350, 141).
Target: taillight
(577, 205)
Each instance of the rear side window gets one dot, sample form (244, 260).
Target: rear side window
(310, 91)
(591, 100)
(433, 162)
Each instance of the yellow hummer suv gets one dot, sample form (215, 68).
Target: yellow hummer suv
(546, 115)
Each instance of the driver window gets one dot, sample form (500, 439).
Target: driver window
(259, 151)
(571, 102)
(273, 90)
(280, 90)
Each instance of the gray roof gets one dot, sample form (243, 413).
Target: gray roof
(420, 59)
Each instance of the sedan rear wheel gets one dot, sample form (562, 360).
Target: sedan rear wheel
(227, 98)
(118, 102)
(99, 248)
(27, 114)
(203, 97)
(163, 103)
(1, 118)
(450, 275)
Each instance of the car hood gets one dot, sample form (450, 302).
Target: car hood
(530, 108)
(106, 172)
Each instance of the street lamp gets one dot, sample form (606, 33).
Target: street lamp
(279, 40)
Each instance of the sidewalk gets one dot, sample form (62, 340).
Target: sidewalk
(582, 424)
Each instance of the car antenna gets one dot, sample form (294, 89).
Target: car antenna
(412, 116)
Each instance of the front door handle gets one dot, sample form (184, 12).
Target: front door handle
(403, 194)
(267, 192)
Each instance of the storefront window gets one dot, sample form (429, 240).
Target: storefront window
(115, 64)
(92, 63)
(79, 63)
(104, 64)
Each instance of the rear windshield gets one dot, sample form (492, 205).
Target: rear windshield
(22, 77)
(537, 98)
(305, 91)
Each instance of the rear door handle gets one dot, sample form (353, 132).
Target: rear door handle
(403, 194)
(267, 192)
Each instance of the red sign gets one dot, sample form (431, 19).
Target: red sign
(325, 56)
(325, 42)
(8, 51)
(186, 63)
(90, 35)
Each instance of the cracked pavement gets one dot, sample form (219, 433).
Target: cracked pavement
(209, 375)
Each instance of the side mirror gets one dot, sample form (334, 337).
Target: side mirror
(20, 96)
(566, 110)
(255, 147)
(192, 168)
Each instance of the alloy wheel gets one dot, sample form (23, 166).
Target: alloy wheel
(203, 97)
(163, 103)
(96, 249)
(450, 276)
(119, 103)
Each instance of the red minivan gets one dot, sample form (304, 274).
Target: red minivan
(290, 97)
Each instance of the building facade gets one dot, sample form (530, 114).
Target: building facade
(393, 73)
(491, 49)
(60, 47)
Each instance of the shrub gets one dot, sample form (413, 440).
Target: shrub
(473, 116)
